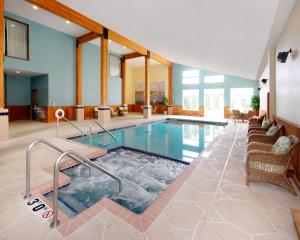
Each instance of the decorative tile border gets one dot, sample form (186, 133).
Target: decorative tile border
(140, 222)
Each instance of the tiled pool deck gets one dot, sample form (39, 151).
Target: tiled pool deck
(209, 200)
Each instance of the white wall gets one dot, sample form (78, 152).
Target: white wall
(264, 90)
(288, 74)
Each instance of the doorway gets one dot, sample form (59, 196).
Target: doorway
(214, 103)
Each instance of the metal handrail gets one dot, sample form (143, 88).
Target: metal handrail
(82, 132)
(28, 157)
(106, 131)
(55, 223)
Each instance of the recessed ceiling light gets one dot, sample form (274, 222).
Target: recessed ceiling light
(35, 7)
(12, 25)
(124, 47)
(109, 40)
(68, 22)
(18, 72)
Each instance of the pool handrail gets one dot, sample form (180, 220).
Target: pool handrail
(72, 124)
(106, 131)
(55, 222)
(28, 161)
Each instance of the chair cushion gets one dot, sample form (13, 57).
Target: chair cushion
(272, 130)
(267, 124)
(267, 167)
(282, 145)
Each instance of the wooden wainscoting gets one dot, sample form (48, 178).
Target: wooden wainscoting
(290, 128)
(20, 112)
(89, 112)
(135, 108)
(177, 110)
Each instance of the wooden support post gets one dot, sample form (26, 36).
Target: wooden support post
(124, 65)
(104, 67)
(2, 95)
(170, 84)
(78, 74)
(147, 81)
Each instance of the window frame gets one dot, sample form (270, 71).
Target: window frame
(216, 82)
(27, 37)
(183, 108)
(239, 88)
(120, 66)
(196, 76)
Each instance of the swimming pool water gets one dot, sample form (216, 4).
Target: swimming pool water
(174, 139)
(143, 177)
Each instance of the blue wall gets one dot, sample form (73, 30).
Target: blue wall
(90, 75)
(18, 90)
(41, 84)
(229, 82)
(53, 53)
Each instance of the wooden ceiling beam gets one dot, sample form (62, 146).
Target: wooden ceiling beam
(88, 37)
(132, 55)
(96, 29)
(67, 13)
(118, 38)
(160, 59)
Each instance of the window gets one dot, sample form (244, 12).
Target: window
(240, 98)
(190, 77)
(190, 99)
(16, 39)
(214, 79)
(114, 66)
(190, 135)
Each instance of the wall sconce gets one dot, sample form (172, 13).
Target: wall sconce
(264, 80)
(282, 56)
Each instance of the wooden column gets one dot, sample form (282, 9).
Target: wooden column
(104, 67)
(124, 80)
(147, 81)
(170, 84)
(79, 74)
(1, 54)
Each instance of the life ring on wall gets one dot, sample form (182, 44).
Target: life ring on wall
(59, 114)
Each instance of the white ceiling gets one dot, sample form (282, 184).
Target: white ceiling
(224, 36)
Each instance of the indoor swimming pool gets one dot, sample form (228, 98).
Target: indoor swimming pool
(146, 158)
(181, 140)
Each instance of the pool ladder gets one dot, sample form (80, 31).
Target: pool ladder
(106, 131)
(69, 153)
(83, 133)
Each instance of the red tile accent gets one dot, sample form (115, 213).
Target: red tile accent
(140, 222)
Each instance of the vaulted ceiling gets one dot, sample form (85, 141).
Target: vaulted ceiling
(224, 36)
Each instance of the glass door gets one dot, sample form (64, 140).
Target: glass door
(214, 103)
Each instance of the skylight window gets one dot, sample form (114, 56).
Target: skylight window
(190, 77)
(214, 79)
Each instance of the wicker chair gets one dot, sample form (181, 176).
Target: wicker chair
(257, 129)
(257, 121)
(113, 113)
(261, 137)
(262, 165)
(235, 115)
